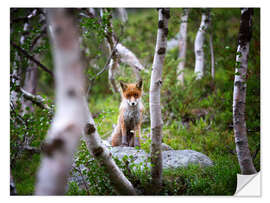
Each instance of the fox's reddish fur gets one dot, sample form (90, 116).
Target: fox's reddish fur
(128, 129)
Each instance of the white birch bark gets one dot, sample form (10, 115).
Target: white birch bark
(239, 94)
(129, 58)
(198, 46)
(212, 55)
(92, 11)
(36, 99)
(124, 54)
(211, 46)
(155, 106)
(30, 85)
(113, 67)
(16, 73)
(96, 147)
(15, 78)
(123, 14)
(182, 45)
(70, 116)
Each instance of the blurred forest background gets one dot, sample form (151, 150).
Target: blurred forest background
(197, 115)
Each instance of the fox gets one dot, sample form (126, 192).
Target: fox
(128, 129)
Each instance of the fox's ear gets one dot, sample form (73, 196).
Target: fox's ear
(123, 85)
(139, 84)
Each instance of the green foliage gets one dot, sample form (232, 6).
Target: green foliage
(196, 115)
(24, 173)
(97, 179)
(194, 180)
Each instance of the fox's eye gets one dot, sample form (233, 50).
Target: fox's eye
(136, 95)
(128, 96)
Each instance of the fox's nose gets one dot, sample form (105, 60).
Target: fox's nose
(133, 103)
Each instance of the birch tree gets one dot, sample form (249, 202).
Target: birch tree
(155, 106)
(239, 93)
(123, 14)
(30, 85)
(96, 147)
(182, 45)
(70, 116)
(120, 53)
(198, 45)
(211, 46)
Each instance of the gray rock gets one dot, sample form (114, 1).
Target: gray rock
(138, 159)
(136, 156)
(183, 158)
(171, 158)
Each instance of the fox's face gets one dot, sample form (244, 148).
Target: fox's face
(132, 92)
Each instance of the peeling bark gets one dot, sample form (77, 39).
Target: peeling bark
(70, 117)
(239, 94)
(198, 46)
(182, 45)
(155, 106)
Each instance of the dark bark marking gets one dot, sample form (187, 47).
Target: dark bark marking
(245, 31)
(166, 12)
(166, 31)
(160, 24)
(89, 129)
(58, 30)
(49, 148)
(238, 83)
(97, 151)
(71, 93)
(161, 50)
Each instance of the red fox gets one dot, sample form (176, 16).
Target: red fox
(128, 129)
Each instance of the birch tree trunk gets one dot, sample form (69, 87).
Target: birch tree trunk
(239, 93)
(182, 45)
(70, 116)
(96, 147)
(211, 46)
(15, 78)
(129, 58)
(212, 55)
(123, 54)
(16, 73)
(198, 46)
(114, 63)
(155, 107)
(123, 14)
(30, 85)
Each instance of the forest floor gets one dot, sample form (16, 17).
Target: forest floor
(196, 116)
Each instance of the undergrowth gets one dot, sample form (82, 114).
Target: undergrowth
(196, 115)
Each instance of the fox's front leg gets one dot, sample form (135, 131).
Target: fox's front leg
(124, 135)
(137, 135)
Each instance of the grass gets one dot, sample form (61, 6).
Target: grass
(183, 128)
(25, 173)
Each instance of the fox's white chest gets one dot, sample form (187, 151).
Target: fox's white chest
(131, 118)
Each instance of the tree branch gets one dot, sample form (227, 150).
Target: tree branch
(36, 99)
(31, 58)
